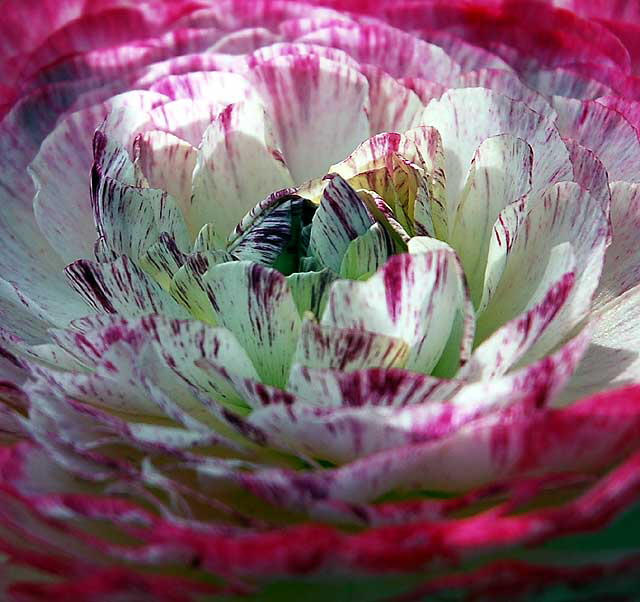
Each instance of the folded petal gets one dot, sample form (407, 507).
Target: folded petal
(340, 219)
(565, 222)
(500, 173)
(120, 287)
(413, 298)
(465, 118)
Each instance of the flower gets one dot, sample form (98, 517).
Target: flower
(339, 298)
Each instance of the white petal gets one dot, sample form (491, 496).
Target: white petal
(238, 165)
(500, 174)
(319, 108)
(467, 117)
(413, 297)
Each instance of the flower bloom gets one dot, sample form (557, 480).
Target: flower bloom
(337, 298)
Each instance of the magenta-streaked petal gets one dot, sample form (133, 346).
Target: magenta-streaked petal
(500, 174)
(509, 443)
(590, 173)
(504, 347)
(628, 108)
(120, 287)
(564, 81)
(395, 52)
(284, 49)
(414, 297)
(217, 87)
(393, 107)
(188, 287)
(342, 433)
(111, 384)
(621, 270)
(566, 231)
(167, 162)
(613, 359)
(183, 344)
(466, 117)
(340, 219)
(238, 165)
(508, 84)
(604, 131)
(384, 386)
(467, 56)
(319, 109)
(62, 207)
(130, 219)
(347, 349)
(185, 118)
(255, 304)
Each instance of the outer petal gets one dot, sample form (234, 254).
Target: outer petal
(603, 131)
(621, 270)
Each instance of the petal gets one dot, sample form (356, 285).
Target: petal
(167, 163)
(590, 173)
(188, 287)
(508, 84)
(394, 108)
(604, 131)
(185, 118)
(255, 304)
(162, 260)
(344, 433)
(238, 165)
(319, 108)
(613, 357)
(621, 270)
(131, 219)
(505, 229)
(565, 215)
(340, 219)
(468, 56)
(563, 81)
(322, 346)
(266, 232)
(61, 173)
(378, 386)
(502, 349)
(465, 118)
(413, 298)
(310, 290)
(397, 53)
(508, 443)
(183, 344)
(216, 87)
(500, 173)
(366, 254)
(120, 287)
